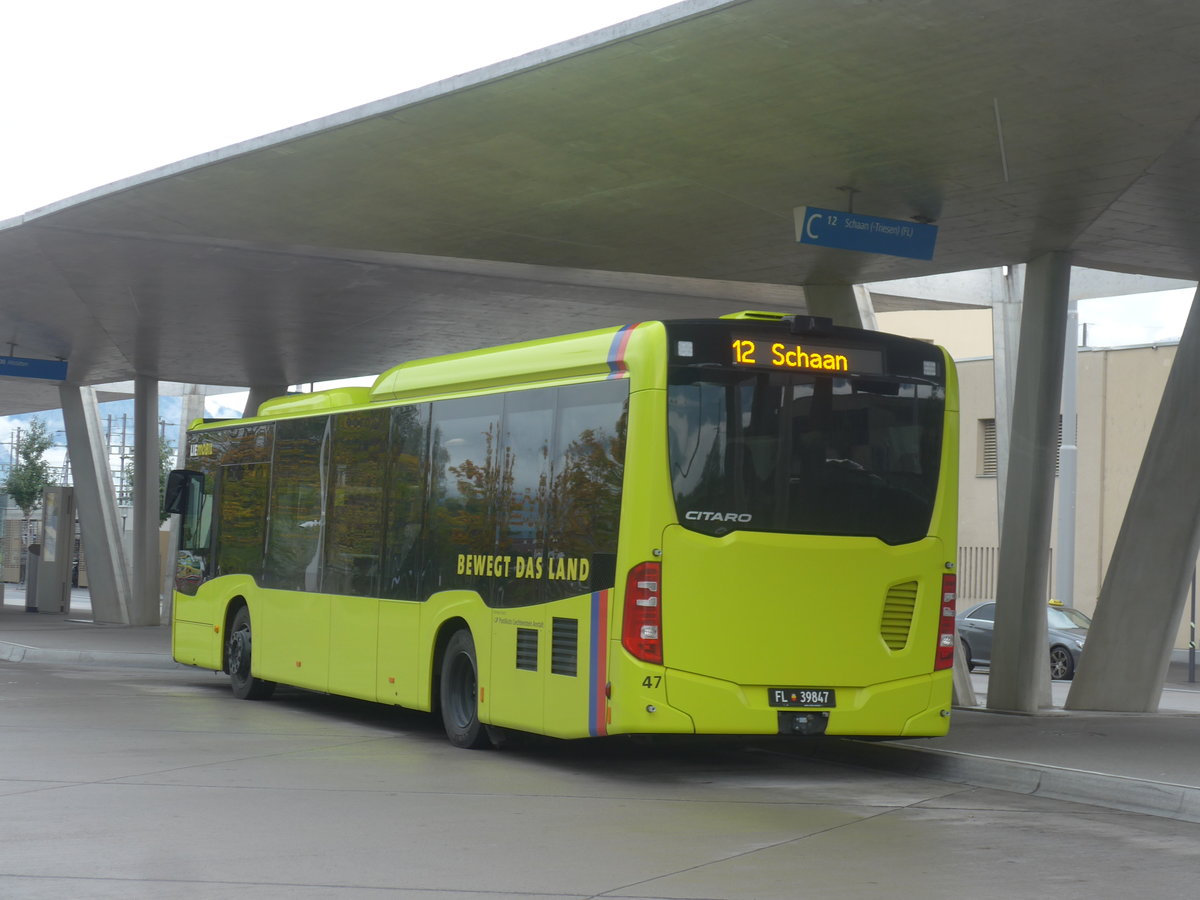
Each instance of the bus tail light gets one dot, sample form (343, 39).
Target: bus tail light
(945, 645)
(641, 630)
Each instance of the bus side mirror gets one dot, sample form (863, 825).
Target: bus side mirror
(179, 482)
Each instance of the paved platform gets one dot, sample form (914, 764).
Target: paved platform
(1147, 763)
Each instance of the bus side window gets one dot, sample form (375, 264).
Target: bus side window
(465, 478)
(193, 499)
(354, 518)
(408, 476)
(588, 470)
(240, 523)
(524, 496)
(296, 533)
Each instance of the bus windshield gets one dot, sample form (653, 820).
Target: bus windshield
(804, 453)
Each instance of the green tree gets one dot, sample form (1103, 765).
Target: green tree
(30, 474)
(166, 461)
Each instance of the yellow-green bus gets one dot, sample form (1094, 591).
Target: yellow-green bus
(742, 525)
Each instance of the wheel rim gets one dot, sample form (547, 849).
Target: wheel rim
(462, 691)
(239, 653)
(1059, 663)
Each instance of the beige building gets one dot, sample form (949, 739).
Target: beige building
(1118, 394)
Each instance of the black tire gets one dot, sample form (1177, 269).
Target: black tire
(238, 660)
(966, 653)
(1062, 663)
(459, 694)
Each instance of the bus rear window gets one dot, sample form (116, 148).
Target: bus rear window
(804, 454)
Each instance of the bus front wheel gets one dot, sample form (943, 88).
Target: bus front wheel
(237, 656)
(459, 693)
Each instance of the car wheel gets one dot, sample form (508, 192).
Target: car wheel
(1062, 664)
(966, 654)
(238, 646)
(459, 694)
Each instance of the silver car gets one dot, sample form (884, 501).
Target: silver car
(1068, 628)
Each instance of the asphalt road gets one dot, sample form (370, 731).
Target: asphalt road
(137, 783)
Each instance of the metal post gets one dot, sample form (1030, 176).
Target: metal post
(1064, 559)
(1192, 635)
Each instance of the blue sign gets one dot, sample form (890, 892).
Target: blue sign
(19, 367)
(867, 234)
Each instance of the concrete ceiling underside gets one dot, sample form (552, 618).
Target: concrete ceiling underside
(644, 171)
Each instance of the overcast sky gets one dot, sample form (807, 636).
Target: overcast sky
(97, 91)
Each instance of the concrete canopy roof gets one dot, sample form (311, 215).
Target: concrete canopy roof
(673, 148)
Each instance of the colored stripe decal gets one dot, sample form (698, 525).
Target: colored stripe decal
(616, 353)
(598, 676)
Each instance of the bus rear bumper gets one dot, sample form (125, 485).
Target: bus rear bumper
(908, 707)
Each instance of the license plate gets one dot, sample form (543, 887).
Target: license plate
(818, 698)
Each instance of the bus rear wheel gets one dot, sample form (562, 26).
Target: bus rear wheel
(459, 693)
(238, 658)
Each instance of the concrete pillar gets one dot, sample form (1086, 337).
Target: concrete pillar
(846, 304)
(144, 602)
(963, 692)
(108, 568)
(1006, 324)
(259, 394)
(1149, 575)
(1020, 673)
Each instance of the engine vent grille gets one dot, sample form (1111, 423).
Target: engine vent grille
(527, 649)
(564, 655)
(898, 609)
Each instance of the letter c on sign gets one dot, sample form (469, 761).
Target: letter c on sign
(808, 226)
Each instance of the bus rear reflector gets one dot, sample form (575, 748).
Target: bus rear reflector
(641, 629)
(945, 645)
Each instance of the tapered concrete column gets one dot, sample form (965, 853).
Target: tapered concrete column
(1006, 324)
(1020, 675)
(259, 394)
(846, 304)
(144, 603)
(1137, 614)
(108, 569)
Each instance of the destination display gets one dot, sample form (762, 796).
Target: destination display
(800, 355)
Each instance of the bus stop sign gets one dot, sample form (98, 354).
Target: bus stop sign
(20, 367)
(866, 234)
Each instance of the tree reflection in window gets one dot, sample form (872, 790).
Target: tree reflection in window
(589, 468)
(297, 505)
(523, 499)
(525, 495)
(240, 524)
(407, 478)
(353, 539)
(462, 495)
